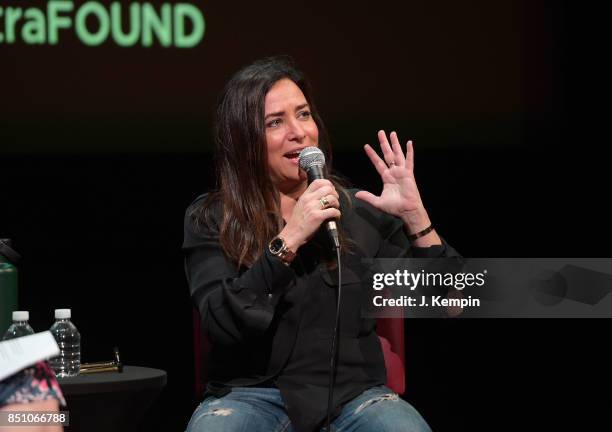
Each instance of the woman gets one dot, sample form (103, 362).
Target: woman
(262, 272)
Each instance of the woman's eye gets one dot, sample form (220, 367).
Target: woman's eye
(274, 123)
(304, 114)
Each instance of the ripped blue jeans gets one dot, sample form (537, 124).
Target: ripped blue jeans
(256, 409)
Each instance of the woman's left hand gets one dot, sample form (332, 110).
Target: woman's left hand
(400, 196)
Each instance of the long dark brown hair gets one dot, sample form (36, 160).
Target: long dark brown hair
(249, 202)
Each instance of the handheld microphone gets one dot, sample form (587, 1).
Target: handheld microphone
(312, 161)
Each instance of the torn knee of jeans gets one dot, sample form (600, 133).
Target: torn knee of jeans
(219, 412)
(384, 397)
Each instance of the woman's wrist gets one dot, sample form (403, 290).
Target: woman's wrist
(291, 240)
(419, 226)
(416, 221)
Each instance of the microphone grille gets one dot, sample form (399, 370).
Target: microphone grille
(311, 156)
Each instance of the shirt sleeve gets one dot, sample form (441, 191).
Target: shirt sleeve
(233, 304)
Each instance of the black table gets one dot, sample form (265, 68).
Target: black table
(111, 401)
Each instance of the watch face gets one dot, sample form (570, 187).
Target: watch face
(276, 245)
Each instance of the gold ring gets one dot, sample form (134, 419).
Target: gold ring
(324, 203)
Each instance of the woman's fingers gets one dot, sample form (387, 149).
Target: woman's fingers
(332, 200)
(319, 203)
(398, 155)
(318, 184)
(378, 163)
(386, 148)
(368, 197)
(322, 187)
(327, 191)
(330, 213)
(392, 153)
(327, 201)
(409, 156)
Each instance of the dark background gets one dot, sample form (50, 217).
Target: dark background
(102, 149)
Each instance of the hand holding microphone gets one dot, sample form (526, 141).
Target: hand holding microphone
(318, 204)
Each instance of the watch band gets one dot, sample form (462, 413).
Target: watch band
(286, 255)
(282, 252)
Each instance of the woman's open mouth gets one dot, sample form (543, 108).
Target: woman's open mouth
(294, 157)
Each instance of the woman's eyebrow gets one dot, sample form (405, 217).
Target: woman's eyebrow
(274, 114)
(280, 113)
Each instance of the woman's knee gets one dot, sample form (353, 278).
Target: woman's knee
(223, 414)
(389, 413)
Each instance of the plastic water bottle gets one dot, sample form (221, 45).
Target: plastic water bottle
(20, 326)
(68, 338)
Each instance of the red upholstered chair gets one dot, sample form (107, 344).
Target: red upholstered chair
(391, 334)
(389, 330)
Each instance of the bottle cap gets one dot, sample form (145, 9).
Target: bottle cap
(62, 313)
(21, 315)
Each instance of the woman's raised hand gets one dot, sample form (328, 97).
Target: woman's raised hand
(400, 196)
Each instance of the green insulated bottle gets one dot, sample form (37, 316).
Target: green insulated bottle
(8, 283)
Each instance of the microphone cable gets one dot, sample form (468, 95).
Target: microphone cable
(334, 346)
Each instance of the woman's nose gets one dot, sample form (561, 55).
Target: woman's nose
(296, 130)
